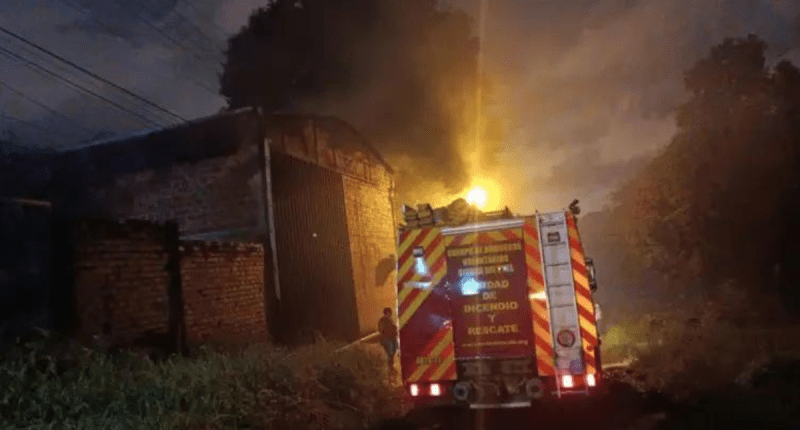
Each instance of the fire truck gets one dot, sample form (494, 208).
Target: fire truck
(495, 310)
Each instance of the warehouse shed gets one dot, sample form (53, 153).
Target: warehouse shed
(310, 188)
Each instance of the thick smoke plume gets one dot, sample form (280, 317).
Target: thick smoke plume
(586, 87)
(404, 73)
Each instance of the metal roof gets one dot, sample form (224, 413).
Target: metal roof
(188, 142)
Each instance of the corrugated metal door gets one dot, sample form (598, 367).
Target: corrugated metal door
(313, 249)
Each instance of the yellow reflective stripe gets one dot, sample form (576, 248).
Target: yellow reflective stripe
(588, 326)
(412, 236)
(585, 303)
(415, 304)
(444, 366)
(434, 353)
(432, 259)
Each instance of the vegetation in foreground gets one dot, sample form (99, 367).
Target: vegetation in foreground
(44, 386)
(721, 364)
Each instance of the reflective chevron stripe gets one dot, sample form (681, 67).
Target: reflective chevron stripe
(538, 299)
(583, 294)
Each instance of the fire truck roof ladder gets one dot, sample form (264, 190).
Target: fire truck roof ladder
(561, 300)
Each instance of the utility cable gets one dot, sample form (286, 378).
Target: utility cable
(77, 86)
(45, 107)
(90, 73)
(209, 40)
(163, 34)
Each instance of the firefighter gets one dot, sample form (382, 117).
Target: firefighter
(388, 332)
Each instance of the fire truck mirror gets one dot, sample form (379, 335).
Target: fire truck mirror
(591, 274)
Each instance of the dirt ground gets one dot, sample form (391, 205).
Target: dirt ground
(621, 408)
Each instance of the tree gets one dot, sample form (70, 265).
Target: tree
(403, 72)
(712, 204)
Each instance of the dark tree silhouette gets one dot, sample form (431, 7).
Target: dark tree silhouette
(714, 203)
(403, 72)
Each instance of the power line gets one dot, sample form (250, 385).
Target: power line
(77, 86)
(172, 39)
(45, 107)
(180, 46)
(163, 34)
(210, 40)
(90, 73)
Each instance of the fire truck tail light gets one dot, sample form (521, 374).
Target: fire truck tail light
(567, 381)
(590, 380)
(414, 390)
(436, 390)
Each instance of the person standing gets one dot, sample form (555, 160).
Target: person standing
(388, 333)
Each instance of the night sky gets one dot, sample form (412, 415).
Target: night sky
(589, 87)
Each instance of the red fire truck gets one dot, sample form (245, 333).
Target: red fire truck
(495, 310)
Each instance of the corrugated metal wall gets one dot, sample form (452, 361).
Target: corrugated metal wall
(314, 263)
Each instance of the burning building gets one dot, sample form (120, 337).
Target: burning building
(311, 189)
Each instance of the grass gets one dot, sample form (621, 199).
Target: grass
(729, 368)
(260, 387)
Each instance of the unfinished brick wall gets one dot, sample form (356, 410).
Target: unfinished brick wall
(134, 279)
(121, 279)
(223, 292)
(372, 243)
(205, 175)
(221, 194)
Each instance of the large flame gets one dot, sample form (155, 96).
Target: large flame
(485, 193)
(477, 197)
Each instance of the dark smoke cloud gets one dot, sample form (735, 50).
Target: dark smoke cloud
(591, 84)
(401, 72)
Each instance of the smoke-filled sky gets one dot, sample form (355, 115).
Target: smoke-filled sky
(587, 85)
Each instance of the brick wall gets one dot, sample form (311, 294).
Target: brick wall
(373, 244)
(134, 280)
(206, 176)
(220, 194)
(121, 279)
(223, 292)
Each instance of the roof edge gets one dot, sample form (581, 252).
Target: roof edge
(361, 138)
(366, 143)
(147, 132)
